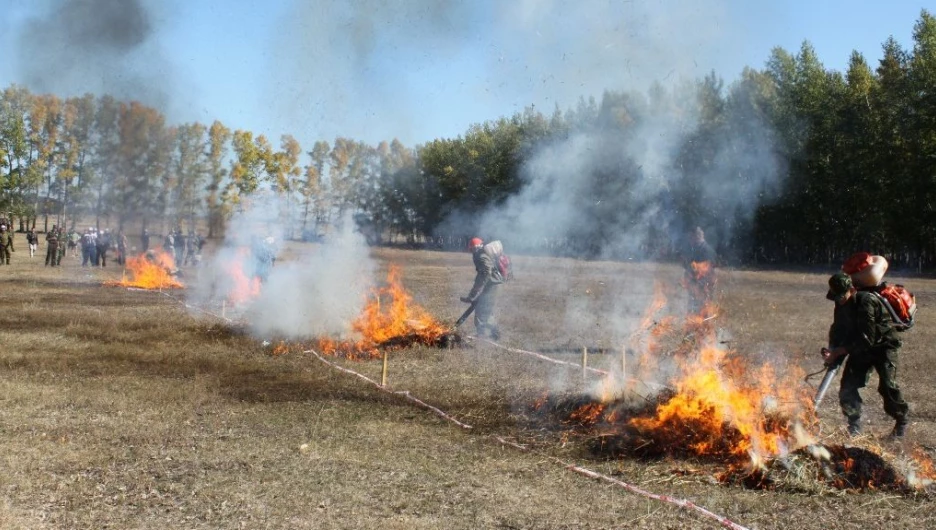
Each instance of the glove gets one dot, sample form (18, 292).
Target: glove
(465, 299)
(830, 356)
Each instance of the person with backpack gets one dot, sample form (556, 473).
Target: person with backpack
(491, 270)
(863, 330)
(698, 272)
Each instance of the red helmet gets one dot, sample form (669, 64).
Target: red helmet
(475, 243)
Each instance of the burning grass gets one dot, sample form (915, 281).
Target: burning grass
(242, 287)
(391, 320)
(720, 408)
(151, 270)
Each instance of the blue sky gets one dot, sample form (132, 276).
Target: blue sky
(417, 70)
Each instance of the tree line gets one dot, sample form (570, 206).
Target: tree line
(791, 163)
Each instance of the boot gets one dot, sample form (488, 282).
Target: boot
(854, 426)
(900, 429)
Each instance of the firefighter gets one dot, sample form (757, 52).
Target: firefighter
(699, 271)
(863, 330)
(484, 291)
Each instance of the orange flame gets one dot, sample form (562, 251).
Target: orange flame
(723, 405)
(701, 269)
(242, 287)
(587, 414)
(152, 270)
(390, 319)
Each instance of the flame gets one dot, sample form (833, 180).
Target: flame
(390, 319)
(152, 270)
(587, 414)
(701, 269)
(241, 287)
(281, 348)
(722, 404)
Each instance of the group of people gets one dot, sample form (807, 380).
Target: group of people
(185, 249)
(94, 245)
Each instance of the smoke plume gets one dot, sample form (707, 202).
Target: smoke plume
(317, 292)
(96, 46)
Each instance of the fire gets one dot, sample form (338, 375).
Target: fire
(719, 403)
(701, 269)
(242, 288)
(390, 319)
(152, 270)
(587, 414)
(722, 406)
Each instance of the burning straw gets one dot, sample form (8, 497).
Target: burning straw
(151, 270)
(720, 407)
(391, 320)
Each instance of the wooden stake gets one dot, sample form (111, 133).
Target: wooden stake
(584, 363)
(223, 308)
(383, 372)
(624, 364)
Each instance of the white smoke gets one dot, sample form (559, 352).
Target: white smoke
(314, 290)
(320, 293)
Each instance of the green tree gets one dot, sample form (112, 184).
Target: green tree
(219, 137)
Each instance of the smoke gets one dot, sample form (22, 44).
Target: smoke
(318, 291)
(98, 46)
(376, 70)
(319, 294)
(350, 67)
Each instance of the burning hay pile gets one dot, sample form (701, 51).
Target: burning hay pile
(151, 270)
(723, 410)
(390, 321)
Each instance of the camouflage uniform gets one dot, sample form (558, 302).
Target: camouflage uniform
(863, 327)
(52, 240)
(6, 245)
(484, 293)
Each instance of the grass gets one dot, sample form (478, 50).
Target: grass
(118, 409)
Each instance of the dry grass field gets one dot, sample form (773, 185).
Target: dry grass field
(120, 409)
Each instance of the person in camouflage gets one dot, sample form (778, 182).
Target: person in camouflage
(484, 291)
(52, 248)
(863, 330)
(6, 244)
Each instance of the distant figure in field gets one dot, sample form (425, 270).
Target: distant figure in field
(52, 247)
(33, 241)
(121, 248)
(103, 244)
(72, 240)
(699, 271)
(178, 243)
(6, 244)
(88, 250)
(144, 241)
